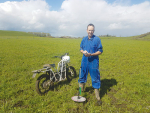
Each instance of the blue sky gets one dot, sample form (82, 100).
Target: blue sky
(130, 1)
(56, 4)
(70, 17)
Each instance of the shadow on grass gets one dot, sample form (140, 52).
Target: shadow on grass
(61, 83)
(56, 86)
(68, 79)
(41, 87)
(106, 85)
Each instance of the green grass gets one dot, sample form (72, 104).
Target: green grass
(124, 67)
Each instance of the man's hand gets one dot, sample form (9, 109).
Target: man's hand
(86, 53)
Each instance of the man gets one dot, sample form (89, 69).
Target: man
(91, 47)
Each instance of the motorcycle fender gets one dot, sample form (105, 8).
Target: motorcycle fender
(34, 74)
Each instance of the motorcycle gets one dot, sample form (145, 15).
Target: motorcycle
(51, 74)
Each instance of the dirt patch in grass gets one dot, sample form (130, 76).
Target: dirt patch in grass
(18, 104)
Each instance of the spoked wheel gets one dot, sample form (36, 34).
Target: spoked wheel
(43, 84)
(71, 73)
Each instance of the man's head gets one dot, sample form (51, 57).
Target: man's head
(90, 30)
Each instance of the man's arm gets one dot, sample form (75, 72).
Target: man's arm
(84, 52)
(89, 54)
(96, 54)
(81, 51)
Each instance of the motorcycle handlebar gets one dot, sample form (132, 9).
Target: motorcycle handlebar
(61, 55)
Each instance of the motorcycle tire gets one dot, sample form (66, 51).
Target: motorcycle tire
(43, 84)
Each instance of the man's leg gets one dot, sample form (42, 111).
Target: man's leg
(97, 94)
(82, 85)
(95, 76)
(82, 77)
(99, 102)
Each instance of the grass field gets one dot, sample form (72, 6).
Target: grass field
(124, 67)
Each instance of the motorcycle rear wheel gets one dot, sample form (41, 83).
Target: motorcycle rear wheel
(43, 84)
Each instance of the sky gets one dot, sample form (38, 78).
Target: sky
(71, 17)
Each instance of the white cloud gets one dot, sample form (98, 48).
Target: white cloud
(118, 18)
(118, 26)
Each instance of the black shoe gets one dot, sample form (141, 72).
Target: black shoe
(99, 103)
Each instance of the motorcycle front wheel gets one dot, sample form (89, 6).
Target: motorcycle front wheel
(43, 84)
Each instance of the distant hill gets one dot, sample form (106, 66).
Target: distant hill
(145, 36)
(14, 33)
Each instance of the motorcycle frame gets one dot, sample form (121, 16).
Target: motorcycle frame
(58, 71)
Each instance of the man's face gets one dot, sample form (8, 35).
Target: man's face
(90, 31)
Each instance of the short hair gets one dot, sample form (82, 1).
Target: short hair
(90, 25)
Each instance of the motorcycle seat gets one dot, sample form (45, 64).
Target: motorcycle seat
(48, 65)
(52, 65)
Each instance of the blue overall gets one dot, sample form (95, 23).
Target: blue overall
(90, 64)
